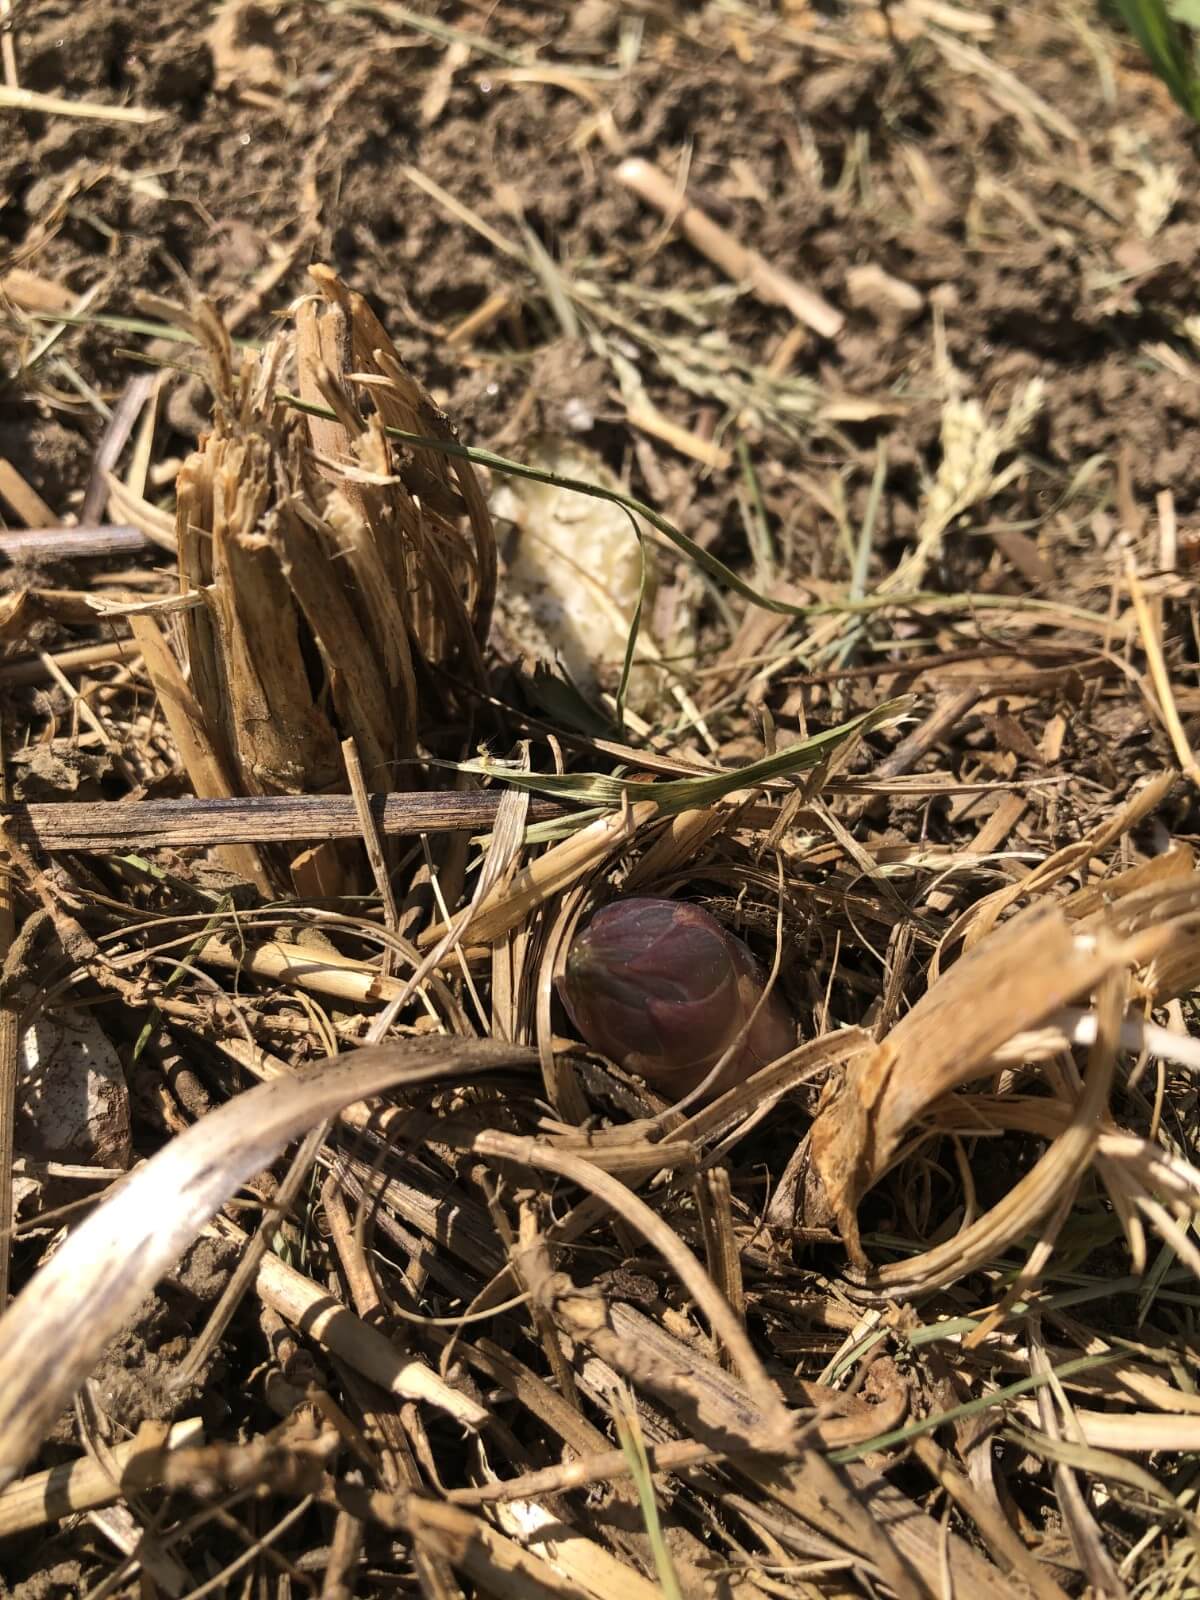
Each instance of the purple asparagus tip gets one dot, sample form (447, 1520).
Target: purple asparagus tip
(663, 989)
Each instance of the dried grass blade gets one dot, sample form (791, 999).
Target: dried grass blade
(507, 905)
(1150, 629)
(505, 847)
(975, 923)
(23, 498)
(583, 1565)
(10, 1053)
(1134, 1432)
(498, 1565)
(128, 508)
(1004, 1542)
(1085, 1533)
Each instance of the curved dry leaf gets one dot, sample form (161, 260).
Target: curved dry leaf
(1023, 973)
(54, 1332)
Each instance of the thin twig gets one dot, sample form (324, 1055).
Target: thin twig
(9, 1056)
(54, 105)
(71, 544)
(734, 258)
(265, 819)
(113, 440)
(8, 48)
(369, 824)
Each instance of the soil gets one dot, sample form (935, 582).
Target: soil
(288, 129)
(1022, 171)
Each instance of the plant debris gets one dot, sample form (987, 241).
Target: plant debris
(845, 360)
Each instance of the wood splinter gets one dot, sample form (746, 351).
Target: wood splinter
(735, 259)
(266, 819)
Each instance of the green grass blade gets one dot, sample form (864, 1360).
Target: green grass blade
(629, 1435)
(685, 794)
(1168, 47)
(211, 927)
(634, 628)
(976, 1408)
(519, 469)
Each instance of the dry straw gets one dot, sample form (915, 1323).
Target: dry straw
(335, 590)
